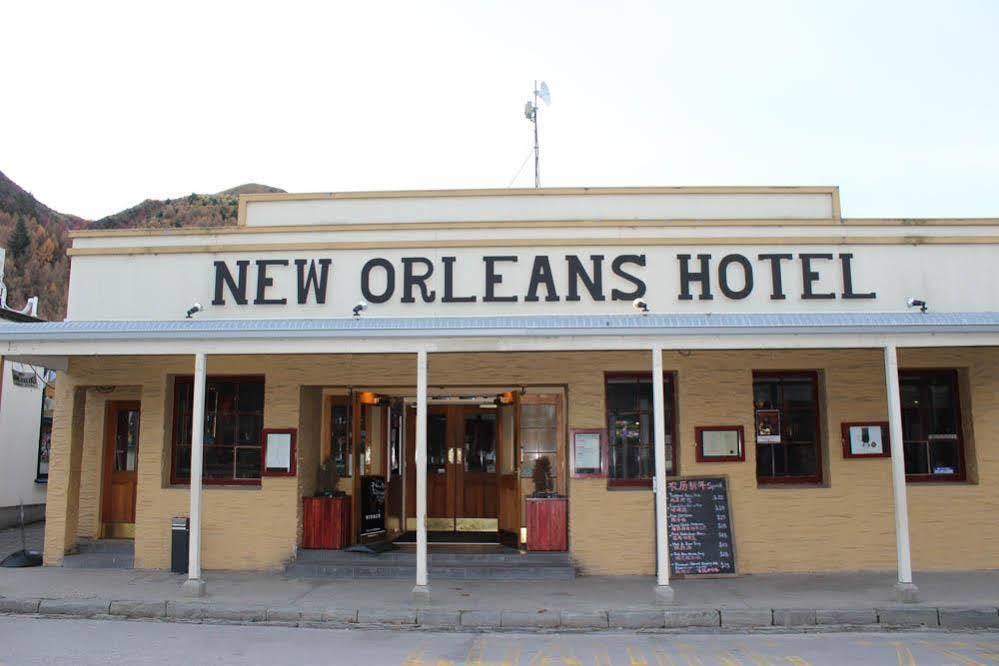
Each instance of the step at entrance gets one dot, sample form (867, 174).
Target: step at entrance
(102, 554)
(496, 563)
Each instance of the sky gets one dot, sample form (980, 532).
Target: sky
(106, 104)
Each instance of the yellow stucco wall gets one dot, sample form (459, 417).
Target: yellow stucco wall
(846, 524)
(91, 468)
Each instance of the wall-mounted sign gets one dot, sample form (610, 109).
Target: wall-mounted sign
(24, 378)
(512, 278)
(279, 453)
(589, 455)
(865, 440)
(719, 443)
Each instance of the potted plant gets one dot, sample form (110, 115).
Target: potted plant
(326, 515)
(547, 512)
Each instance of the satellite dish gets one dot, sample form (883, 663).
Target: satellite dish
(544, 93)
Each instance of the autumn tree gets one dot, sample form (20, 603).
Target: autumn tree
(19, 240)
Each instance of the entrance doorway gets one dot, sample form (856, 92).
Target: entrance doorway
(466, 449)
(121, 457)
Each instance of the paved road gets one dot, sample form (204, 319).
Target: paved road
(27, 640)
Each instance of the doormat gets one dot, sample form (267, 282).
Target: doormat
(373, 548)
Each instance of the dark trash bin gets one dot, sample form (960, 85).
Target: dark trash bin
(180, 533)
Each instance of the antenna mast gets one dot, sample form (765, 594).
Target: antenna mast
(531, 113)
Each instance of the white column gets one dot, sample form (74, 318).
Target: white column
(195, 586)
(663, 590)
(421, 592)
(904, 590)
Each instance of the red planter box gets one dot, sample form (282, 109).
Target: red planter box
(326, 522)
(548, 523)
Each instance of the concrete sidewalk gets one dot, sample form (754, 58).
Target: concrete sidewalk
(966, 599)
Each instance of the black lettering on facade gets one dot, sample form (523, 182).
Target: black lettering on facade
(809, 277)
(594, 282)
(412, 279)
(265, 282)
(747, 276)
(223, 278)
(493, 278)
(776, 283)
(449, 296)
(366, 292)
(541, 274)
(617, 268)
(703, 276)
(312, 281)
(846, 260)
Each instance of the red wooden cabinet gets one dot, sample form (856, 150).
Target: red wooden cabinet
(326, 522)
(548, 523)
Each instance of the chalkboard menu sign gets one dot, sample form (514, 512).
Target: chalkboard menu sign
(372, 504)
(699, 528)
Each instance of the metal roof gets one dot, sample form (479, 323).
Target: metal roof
(522, 325)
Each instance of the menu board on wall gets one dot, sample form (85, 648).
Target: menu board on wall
(699, 528)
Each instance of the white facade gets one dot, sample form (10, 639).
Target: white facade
(20, 422)
(781, 250)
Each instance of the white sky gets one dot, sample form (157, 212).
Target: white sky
(104, 105)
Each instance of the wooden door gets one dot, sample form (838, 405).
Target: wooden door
(121, 458)
(440, 480)
(475, 468)
(508, 474)
(462, 483)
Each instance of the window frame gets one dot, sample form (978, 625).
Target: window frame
(44, 424)
(955, 377)
(668, 376)
(179, 381)
(817, 479)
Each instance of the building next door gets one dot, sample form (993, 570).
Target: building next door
(462, 471)
(121, 457)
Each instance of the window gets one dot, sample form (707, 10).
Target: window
(340, 436)
(234, 419)
(931, 425)
(539, 432)
(788, 447)
(44, 449)
(630, 428)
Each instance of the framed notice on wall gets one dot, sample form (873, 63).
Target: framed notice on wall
(589, 455)
(278, 456)
(719, 443)
(866, 440)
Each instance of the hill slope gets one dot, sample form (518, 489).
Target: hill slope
(36, 237)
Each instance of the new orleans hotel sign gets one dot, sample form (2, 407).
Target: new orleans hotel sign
(508, 278)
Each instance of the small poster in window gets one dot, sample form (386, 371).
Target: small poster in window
(768, 426)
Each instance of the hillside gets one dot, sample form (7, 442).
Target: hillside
(36, 237)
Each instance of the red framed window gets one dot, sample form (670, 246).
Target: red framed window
(788, 437)
(931, 425)
(234, 421)
(630, 443)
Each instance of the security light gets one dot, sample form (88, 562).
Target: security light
(916, 303)
(640, 305)
(359, 308)
(193, 310)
